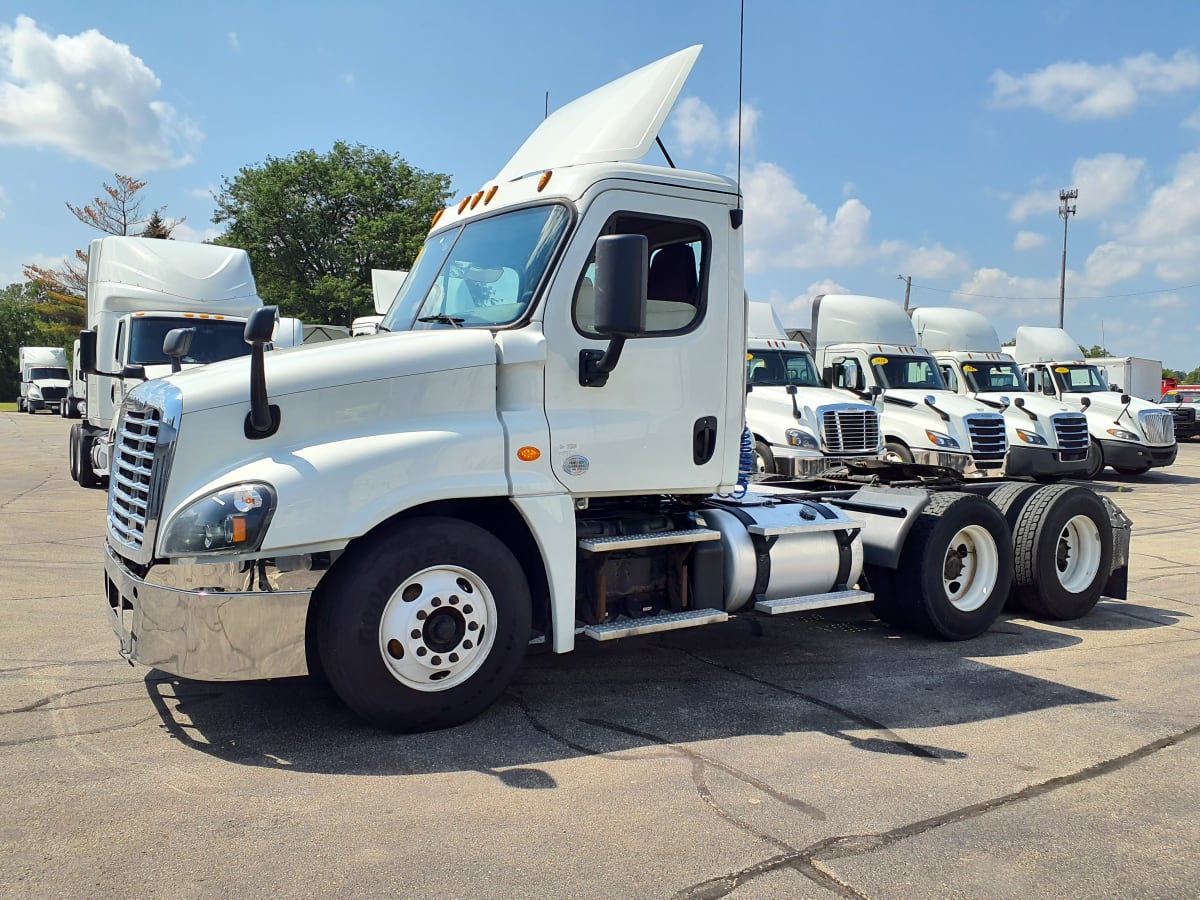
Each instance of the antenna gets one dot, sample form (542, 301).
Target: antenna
(741, 57)
(546, 114)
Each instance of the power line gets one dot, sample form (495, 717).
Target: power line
(1182, 287)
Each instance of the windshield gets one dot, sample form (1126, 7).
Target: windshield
(214, 339)
(38, 373)
(907, 372)
(779, 368)
(1079, 379)
(993, 377)
(481, 274)
(1181, 397)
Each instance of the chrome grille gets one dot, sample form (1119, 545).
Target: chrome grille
(1158, 426)
(849, 429)
(988, 438)
(131, 474)
(1071, 431)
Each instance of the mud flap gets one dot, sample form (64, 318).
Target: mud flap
(1117, 586)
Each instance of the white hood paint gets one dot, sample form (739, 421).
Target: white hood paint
(615, 123)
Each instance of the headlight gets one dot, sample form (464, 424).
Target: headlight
(35, 392)
(231, 519)
(1123, 434)
(941, 440)
(1030, 437)
(802, 439)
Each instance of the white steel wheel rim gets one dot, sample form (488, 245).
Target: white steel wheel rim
(970, 568)
(892, 456)
(1077, 554)
(437, 628)
(760, 463)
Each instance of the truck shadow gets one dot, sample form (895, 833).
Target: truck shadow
(851, 679)
(1113, 482)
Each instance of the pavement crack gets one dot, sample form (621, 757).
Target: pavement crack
(15, 497)
(50, 698)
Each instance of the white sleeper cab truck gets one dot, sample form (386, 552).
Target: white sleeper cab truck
(140, 290)
(545, 448)
(1129, 434)
(71, 406)
(800, 427)
(868, 344)
(44, 378)
(1046, 438)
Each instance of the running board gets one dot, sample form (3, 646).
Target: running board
(651, 539)
(813, 601)
(665, 622)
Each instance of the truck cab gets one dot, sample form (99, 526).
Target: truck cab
(869, 342)
(44, 378)
(1046, 438)
(800, 427)
(1130, 435)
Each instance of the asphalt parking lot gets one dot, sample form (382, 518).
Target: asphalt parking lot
(818, 755)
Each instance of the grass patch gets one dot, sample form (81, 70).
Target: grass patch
(8, 407)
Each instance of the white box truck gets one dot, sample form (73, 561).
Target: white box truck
(865, 343)
(800, 427)
(1129, 434)
(1046, 438)
(1133, 375)
(553, 455)
(44, 378)
(139, 289)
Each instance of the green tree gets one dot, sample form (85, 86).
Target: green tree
(1177, 374)
(1095, 351)
(18, 327)
(1193, 377)
(316, 224)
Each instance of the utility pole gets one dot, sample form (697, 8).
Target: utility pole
(1066, 211)
(907, 279)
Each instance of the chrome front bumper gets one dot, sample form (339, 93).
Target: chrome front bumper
(963, 463)
(228, 622)
(809, 465)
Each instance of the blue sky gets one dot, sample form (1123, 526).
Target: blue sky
(928, 138)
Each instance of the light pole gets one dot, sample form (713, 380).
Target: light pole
(907, 279)
(1066, 211)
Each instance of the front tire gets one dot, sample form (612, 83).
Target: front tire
(956, 567)
(423, 626)
(764, 459)
(81, 458)
(1136, 470)
(897, 451)
(1063, 548)
(1095, 461)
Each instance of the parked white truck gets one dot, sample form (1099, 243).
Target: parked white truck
(547, 447)
(865, 343)
(1133, 375)
(72, 405)
(800, 427)
(1046, 438)
(44, 378)
(140, 289)
(1128, 434)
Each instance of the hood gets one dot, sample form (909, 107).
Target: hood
(951, 404)
(1108, 403)
(336, 363)
(51, 382)
(614, 123)
(777, 401)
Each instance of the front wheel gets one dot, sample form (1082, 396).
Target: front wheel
(423, 626)
(1095, 461)
(1136, 470)
(896, 451)
(764, 459)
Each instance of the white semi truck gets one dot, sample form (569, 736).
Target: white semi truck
(140, 289)
(1129, 434)
(800, 427)
(868, 343)
(44, 378)
(546, 448)
(1046, 438)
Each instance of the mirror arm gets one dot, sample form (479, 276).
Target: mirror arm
(595, 365)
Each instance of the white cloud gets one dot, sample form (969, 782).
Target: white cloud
(1104, 182)
(1167, 301)
(1112, 262)
(1192, 121)
(849, 189)
(1079, 90)
(784, 229)
(204, 193)
(699, 130)
(234, 43)
(348, 79)
(88, 96)
(750, 117)
(934, 262)
(1028, 240)
(185, 232)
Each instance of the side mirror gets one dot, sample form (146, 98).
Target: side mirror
(87, 353)
(622, 275)
(176, 345)
(1125, 399)
(1115, 388)
(875, 390)
(260, 326)
(263, 419)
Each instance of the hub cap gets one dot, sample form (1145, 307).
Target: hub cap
(437, 628)
(970, 568)
(1077, 556)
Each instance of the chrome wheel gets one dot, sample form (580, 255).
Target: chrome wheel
(1077, 558)
(437, 628)
(970, 569)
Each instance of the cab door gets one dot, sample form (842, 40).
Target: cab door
(665, 420)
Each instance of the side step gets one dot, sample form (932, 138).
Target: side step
(651, 539)
(813, 601)
(692, 618)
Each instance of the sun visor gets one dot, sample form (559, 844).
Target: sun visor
(614, 123)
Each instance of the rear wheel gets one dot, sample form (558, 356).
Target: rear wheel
(423, 626)
(1063, 547)
(956, 567)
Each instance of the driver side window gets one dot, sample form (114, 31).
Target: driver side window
(950, 377)
(1047, 382)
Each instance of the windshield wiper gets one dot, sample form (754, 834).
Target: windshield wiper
(443, 319)
(379, 328)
